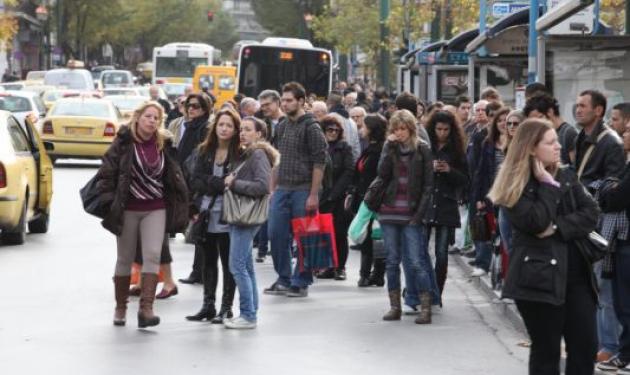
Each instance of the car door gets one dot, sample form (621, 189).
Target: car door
(44, 167)
(28, 166)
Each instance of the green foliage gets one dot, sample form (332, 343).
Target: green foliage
(286, 17)
(8, 24)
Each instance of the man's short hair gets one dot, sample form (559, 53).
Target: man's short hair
(296, 89)
(542, 103)
(269, 94)
(461, 99)
(535, 88)
(335, 98)
(247, 101)
(624, 108)
(492, 108)
(490, 94)
(408, 101)
(597, 99)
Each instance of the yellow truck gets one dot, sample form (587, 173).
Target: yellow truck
(219, 80)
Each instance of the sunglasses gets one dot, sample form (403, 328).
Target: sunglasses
(513, 124)
(332, 130)
(193, 105)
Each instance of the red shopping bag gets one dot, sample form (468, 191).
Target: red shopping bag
(315, 238)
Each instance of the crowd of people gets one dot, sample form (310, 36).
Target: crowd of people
(425, 170)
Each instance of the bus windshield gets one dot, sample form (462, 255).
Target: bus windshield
(265, 67)
(178, 66)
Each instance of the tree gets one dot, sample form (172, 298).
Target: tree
(286, 17)
(613, 13)
(8, 24)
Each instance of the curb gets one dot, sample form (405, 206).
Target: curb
(507, 307)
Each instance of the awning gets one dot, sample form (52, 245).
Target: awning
(520, 17)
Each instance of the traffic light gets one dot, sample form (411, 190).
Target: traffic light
(210, 16)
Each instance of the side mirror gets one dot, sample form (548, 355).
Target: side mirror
(49, 146)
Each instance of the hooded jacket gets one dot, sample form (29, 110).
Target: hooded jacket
(254, 177)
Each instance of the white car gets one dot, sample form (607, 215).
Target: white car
(22, 104)
(115, 78)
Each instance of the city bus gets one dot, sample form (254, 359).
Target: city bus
(276, 61)
(176, 62)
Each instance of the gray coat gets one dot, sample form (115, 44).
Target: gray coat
(254, 177)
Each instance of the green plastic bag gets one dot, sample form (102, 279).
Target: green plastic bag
(357, 233)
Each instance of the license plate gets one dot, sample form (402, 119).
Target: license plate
(78, 131)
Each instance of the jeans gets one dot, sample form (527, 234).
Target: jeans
(607, 323)
(505, 230)
(242, 268)
(262, 238)
(443, 238)
(407, 243)
(483, 255)
(621, 296)
(286, 205)
(547, 324)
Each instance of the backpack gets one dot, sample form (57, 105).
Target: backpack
(327, 180)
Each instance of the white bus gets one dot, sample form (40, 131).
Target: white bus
(176, 62)
(276, 61)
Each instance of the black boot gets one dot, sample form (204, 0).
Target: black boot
(224, 313)
(377, 277)
(207, 312)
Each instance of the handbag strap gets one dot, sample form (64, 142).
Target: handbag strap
(589, 151)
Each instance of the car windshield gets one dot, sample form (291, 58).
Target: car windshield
(109, 92)
(51, 96)
(77, 108)
(116, 78)
(15, 104)
(128, 103)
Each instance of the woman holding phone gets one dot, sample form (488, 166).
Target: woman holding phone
(549, 276)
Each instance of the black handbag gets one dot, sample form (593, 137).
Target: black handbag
(375, 194)
(594, 247)
(93, 202)
(479, 228)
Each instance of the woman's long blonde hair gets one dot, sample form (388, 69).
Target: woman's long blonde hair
(162, 134)
(516, 169)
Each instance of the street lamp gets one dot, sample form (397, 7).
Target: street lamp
(308, 20)
(42, 15)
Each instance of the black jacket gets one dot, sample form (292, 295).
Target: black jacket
(202, 180)
(114, 181)
(363, 178)
(342, 171)
(194, 134)
(617, 198)
(607, 159)
(420, 177)
(448, 189)
(538, 266)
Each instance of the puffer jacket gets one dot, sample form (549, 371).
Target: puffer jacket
(538, 266)
(420, 177)
(114, 180)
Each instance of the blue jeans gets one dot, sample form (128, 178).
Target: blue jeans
(607, 323)
(483, 255)
(407, 243)
(242, 269)
(286, 205)
(505, 230)
(262, 237)
(443, 238)
(621, 296)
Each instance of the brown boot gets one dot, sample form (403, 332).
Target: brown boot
(425, 309)
(147, 296)
(395, 310)
(121, 292)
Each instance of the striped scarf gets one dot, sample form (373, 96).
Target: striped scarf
(146, 176)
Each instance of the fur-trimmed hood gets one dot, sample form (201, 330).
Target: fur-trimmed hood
(272, 154)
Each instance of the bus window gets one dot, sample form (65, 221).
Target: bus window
(226, 83)
(206, 80)
(177, 66)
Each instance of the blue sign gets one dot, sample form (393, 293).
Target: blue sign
(503, 9)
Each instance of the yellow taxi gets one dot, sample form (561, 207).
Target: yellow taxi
(81, 127)
(25, 180)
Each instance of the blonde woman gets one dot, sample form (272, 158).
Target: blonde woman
(141, 178)
(548, 276)
(406, 169)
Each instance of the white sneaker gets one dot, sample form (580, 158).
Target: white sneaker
(478, 272)
(410, 310)
(239, 323)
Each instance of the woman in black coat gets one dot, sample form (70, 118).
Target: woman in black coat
(365, 171)
(450, 178)
(332, 199)
(549, 276)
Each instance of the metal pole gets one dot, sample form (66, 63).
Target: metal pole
(627, 17)
(533, 44)
(384, 14)
(596, 17)
(483, 12)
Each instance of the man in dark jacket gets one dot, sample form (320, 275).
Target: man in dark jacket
(599, 154)
(154, 92)
(296, 182)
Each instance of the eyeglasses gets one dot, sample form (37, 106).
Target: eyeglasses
(513, 124)
(193, 105)
(332, 130)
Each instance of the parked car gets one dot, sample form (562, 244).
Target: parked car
(23, 104)
(25, 180)
(81, 127)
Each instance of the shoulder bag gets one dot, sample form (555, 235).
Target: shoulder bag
(239, 209)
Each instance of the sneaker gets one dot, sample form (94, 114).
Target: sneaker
(613, 364)
(276, 290)
(260, 259)
(239, 323)
(624, 371)
(478, 272)
(296, 291)
(410, 310)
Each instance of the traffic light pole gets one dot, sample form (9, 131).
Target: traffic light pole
(532, 51)
(384, 72)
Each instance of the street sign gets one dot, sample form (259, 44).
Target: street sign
(504, 8)
(579, 23)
